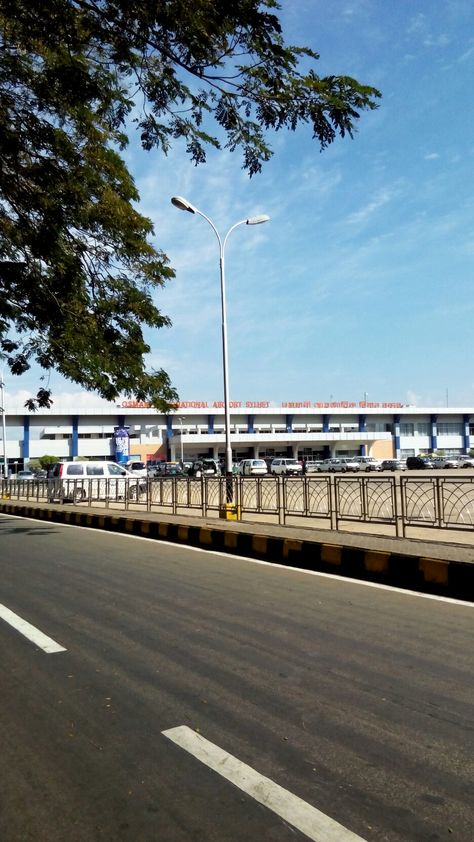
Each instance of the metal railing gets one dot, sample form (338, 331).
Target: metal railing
(399, 502)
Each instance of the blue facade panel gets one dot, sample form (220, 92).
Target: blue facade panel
(434, 432)
(396, 430)
(466, 436)
(75, 436)
(26, 437)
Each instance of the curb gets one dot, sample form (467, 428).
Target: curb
(408, 571)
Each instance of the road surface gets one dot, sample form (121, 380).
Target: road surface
(353, 703)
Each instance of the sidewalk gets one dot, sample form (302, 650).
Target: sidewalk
(431, 567)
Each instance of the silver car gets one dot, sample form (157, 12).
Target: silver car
(368, 463)
(466, 461)
(342, 464)
(446, 462)
(393, 465)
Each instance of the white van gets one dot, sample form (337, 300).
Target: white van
(253, 467)
(285, 467)
(84, 480)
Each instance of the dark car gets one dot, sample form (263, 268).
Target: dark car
(169, 469)
(419, 463)
(393, 465)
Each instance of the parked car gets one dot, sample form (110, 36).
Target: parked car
(466, 461)
(253, 467)
(286, 467)
(393, 465)
(368, 463)
(167, 469)
(81, 480)
(138, 469)
(205, 467)
(313, 466)
(445, 462)
(419, 463)
(41, 474)
(24, 475)
(341, 464)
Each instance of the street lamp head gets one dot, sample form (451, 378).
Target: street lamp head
(182, 204)
(257, 220)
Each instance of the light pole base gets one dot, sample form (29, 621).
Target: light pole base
(229, 511)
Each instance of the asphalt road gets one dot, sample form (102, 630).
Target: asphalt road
(357, 699)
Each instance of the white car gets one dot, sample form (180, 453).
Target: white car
(83, 480)
(466, 461)
(286, 467)
(368, 463)
(253, 467)
(138, 469)
(314, 466)
(341, 464)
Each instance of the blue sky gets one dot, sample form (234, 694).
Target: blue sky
(362, 280)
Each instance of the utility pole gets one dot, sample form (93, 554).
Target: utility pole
(2, 400)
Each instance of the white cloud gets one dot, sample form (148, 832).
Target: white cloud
(381, 198)
(466, 55)
(431, 156)
(71, 402)
(441, 40)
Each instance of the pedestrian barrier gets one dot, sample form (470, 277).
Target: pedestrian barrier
(400, 503)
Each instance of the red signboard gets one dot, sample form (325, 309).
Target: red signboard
(268, 405)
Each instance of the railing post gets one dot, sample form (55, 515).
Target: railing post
(280, 500)
(203, 495)
(439, 505)
(403, 491)
(332, 502)
(364, 496)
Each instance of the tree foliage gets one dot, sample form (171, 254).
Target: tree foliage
(78, 272)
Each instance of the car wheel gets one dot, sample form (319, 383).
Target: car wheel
(78, 495)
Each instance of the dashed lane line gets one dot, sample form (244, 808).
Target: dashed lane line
(47, 644)
(301, 815)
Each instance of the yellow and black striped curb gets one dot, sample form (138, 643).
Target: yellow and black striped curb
(439, 576)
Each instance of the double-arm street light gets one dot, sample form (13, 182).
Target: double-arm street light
(183, 204)
(4, 432)
(181, 419)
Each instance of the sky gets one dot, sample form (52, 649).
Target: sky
(360, 285)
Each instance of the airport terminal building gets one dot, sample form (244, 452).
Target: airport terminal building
(311, 430)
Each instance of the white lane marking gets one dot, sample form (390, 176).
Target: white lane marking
(47, 644)
(281, 567)
(294, 810)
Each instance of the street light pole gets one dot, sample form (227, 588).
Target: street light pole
(183, 204)
(2, 399)
(181, 439)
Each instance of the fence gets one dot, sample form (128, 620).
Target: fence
(399, 502)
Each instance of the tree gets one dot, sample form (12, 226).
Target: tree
(77, 268)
